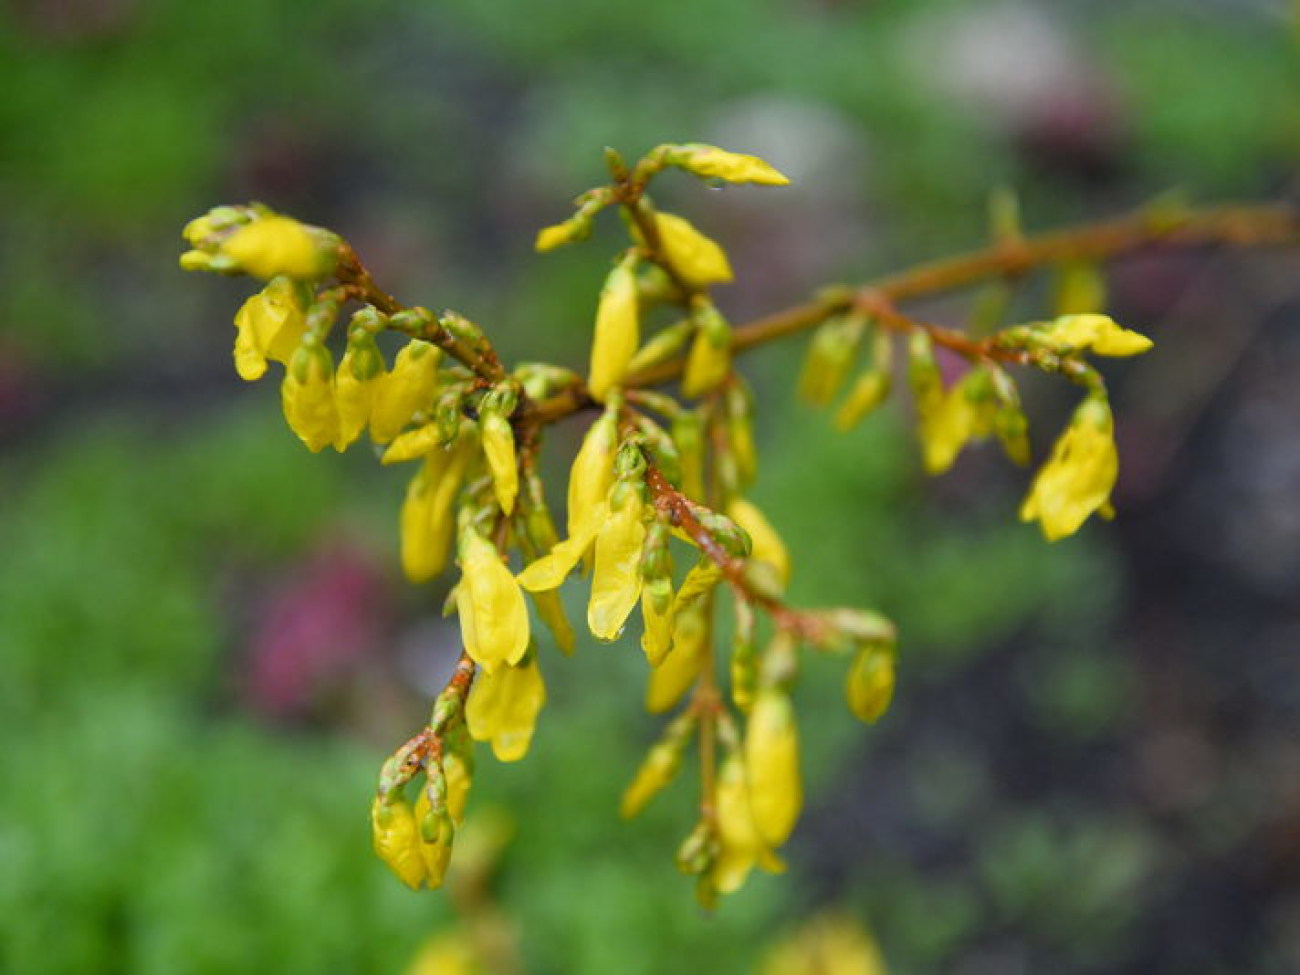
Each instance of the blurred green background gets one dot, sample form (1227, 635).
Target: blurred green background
(206, 651)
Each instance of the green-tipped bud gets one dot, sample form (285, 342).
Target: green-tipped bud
(663, 345)
(829, 358)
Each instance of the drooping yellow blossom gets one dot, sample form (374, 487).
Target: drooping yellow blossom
(357, 384)
(1098, 333)
(436, 832)
(550, 571)
(741, 846)
(772, 765)
(734, 167)
(397, 839)
(499, 448)
(427, 525)
(503, 706)
(768, 546)
(408, 387)
(616, 581)
(307, 396)
(656, 611)
(1077, 479)
(968, 411)
(652, 777)
(829, 944)
(680, 668)
(592, 474)
(709, 361)
(867, 392)
(618, 329)
(490, 604)
(269, 325)
(274, 244)
(698, 260)
(869, 686)
(829, 358)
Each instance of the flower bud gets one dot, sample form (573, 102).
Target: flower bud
(397, 840)
(869, 685)
(698, 260)
(772, 765)
(592, 474)
(710, 162)
(830, 356)
(618, 329)
(307, 396)
(709, 361)
(499, 446)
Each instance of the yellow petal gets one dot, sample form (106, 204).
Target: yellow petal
(741, 845)
(869, 686)
(426, 519)
(768, 546)
(550, 571)
(616, 582)
(592, 474)
(1077, 479)
(652, 777)
(868, 392)
(618, 330)
(772, 764)
(355, 398)
(275, 245)
(707, 364)
(656, 611)
(503, 706)
(412, 444)
(397, 840)
(734, 167)
(699, 260)
(493, 614)
(408, 387)
(307, 397)
(499, 448)
(680, 668)
(1100, 333)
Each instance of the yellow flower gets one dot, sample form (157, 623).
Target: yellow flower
(696, 258)
(493, 614)
(768, 546)
(618, 329)
(680, 668)
(426, 518)
(868, 392)
(409, 387)
(1077, 479)
(269, 325)
(307, 396)
(592, 474)
(741, 846)
(652, 777)
(1100, 333)
(616, 581)
(734, 167)
(397, 840)
(656, 611)
(559, 234)
(869, 686)
(503, 706)
(772, 764)
(499, 448)
(550, 571)
(356, 385)
(709, 361)
(273, 245)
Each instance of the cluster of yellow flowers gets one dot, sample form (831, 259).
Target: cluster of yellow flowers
(654, 474)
